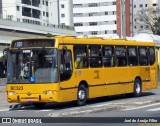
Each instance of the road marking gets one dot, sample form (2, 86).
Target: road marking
(43, 110)
(4, 110)
(141, 107)
(20, 110)
(155, 109)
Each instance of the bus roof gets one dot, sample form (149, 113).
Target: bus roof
(92, 41)
(103, 41)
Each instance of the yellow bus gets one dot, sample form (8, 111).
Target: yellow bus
(67, 68)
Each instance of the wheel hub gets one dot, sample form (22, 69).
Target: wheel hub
(138, 88)
(81, 94)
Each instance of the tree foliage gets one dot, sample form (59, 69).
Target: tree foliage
(149, 17)
(49, 35)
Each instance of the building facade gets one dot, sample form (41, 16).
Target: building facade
(40, 12)
(95, 17)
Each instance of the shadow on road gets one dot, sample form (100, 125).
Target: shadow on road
(67, 105)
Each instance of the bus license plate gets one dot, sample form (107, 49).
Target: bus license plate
(29, 99)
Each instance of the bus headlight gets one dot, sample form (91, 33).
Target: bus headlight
(12, 93)
(48, 92)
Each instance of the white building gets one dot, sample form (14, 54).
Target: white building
(95, 17)
(66, 12)
(42, 12)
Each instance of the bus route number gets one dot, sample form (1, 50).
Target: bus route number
(18, 44)
(96, 72)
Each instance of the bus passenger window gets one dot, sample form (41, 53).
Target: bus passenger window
(80, 57)
(121, 58)
(151, 55)
(143, 58)
(108, 56)
(95, 56)
(132, 56)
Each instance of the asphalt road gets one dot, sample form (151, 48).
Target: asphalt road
(117, 106)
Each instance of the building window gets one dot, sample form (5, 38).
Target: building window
(114, 12)
(63, 24)
(43, 2)
(47, 14)
(92, 23)
(106, 32)
(62, 5)
(78, 24)
(146, 5)
(106, 13)
(46, 3)
(94, 33)
(43, 13)
(134, 6)
(141, 27)
(105, 4)
(141, 5)
(114, 3)
(77, 5)
(18, 19)
(93, 5)
(62, 15)
(154, 4)
(18, 8)
(114, 31)
(115, 22)
(77, 15)
(135, 27)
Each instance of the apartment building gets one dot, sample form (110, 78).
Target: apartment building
(38, 12)
(103, 17)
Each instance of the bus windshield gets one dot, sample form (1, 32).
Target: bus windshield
(32, 66)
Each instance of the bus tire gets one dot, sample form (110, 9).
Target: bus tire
(82, 95)
(39, 105)
(137, 87)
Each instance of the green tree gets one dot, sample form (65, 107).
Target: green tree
(148, 18)
(49, 35)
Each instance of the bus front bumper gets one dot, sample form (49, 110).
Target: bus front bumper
(12, 97)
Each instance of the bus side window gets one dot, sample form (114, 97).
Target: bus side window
(108, 56)
(65, 65)
(80, 57)
(132, 56)
(151, 55)
(143, 58)
(95, 56)
(120, 56)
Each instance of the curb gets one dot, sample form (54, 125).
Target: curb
(101, 108)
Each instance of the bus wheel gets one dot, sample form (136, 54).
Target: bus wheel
(137, 88)
(82, 95)
(39, 105)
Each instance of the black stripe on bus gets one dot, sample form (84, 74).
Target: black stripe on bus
(110, 84)
(67, 88)
(105, 84)
(146, 80)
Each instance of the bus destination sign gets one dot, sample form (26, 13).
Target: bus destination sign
(33, 43)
